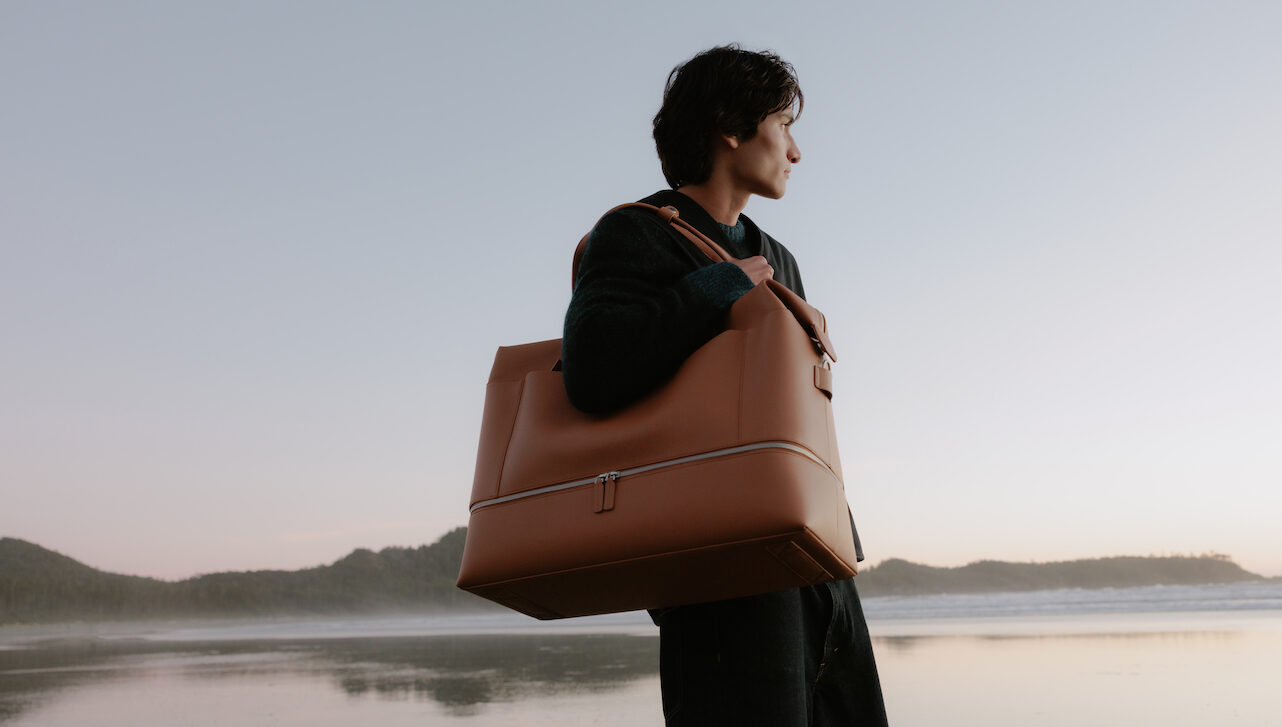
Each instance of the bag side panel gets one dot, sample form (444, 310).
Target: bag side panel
(781, 400)
(695, 412)
(502, 402)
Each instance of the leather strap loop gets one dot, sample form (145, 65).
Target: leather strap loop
(811, 320)
(823, 380)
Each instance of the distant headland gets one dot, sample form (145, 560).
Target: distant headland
(41, 586)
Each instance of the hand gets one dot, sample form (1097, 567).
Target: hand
(756, 268)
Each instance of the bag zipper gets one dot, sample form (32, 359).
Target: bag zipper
(607, 480)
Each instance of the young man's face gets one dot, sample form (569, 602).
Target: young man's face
(761, 165)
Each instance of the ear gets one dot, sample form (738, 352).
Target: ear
(731, 141)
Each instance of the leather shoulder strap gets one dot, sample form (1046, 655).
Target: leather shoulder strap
(669, 214)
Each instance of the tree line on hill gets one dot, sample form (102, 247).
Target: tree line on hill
(897, 577)
(40, 586)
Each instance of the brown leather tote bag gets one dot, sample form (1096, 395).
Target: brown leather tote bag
(698, 492)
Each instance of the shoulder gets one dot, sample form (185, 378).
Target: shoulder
(781, 259)
(770, 247)
(627, 220)
(637, 234)
(778, 249)
(628, 232)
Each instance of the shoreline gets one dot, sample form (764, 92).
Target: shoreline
(1149, 609)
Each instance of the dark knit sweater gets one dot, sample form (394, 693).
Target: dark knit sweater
(646, 298)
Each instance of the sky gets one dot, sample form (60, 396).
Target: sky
(256, 258)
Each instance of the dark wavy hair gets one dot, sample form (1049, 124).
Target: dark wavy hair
(723, 90)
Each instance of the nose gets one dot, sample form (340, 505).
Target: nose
(794, 154)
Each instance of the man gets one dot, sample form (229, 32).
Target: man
(644, 301)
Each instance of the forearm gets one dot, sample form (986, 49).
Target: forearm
(625, 337)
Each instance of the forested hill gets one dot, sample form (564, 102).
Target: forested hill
(902, 578)
(41, 586)
(38, 586)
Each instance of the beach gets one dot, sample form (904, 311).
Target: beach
(1176, 656)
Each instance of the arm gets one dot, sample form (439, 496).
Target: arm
(643, 303)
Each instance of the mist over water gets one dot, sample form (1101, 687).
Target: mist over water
(1170, 656)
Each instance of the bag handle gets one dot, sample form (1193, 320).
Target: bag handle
(669, 214)
(811, 320)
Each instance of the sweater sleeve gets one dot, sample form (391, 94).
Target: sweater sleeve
(641, 306)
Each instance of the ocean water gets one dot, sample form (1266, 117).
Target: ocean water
(1207, 655)
(1251, 596)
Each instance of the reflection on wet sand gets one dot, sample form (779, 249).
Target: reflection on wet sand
(463, 671)
(1107, 678)
(457, 672)
(908, 644)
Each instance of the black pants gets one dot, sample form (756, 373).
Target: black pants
(800, 657)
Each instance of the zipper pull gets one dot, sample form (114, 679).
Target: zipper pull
(605, 490)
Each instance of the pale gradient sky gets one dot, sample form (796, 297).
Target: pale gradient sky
(256, 258)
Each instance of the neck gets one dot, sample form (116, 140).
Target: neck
(721, 201)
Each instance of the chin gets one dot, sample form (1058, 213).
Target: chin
(771, 192)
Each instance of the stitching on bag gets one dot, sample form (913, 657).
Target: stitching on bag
(688, 461)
